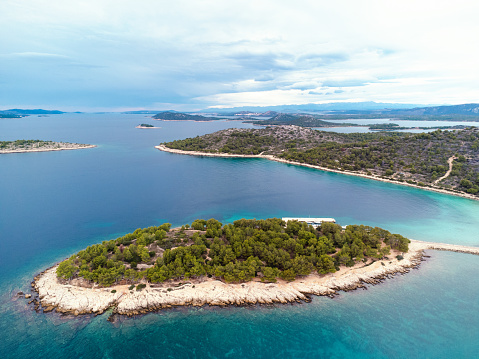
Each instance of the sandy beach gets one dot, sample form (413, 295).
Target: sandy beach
(350, 173)
(68, 298)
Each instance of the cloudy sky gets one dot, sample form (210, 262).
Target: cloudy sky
(188, 55)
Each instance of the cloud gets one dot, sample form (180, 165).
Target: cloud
(34, 55)
(219, 52)
(264, 77)
(318, 59)
(263, 61)
(346, 82)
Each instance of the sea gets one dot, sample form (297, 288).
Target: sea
(53, 204)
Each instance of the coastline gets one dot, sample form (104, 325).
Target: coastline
(345, 172)
(76, 300)
(79, 147)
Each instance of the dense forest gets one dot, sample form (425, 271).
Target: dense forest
(238, 252)
(420, 159)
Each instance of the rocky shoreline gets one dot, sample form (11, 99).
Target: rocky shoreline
(345, 172)
(63, 146)
(76, 300)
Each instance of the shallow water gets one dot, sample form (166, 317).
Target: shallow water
(55, 203)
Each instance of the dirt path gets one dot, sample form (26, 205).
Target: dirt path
(449, 161)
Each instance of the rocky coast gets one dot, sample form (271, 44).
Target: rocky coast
(45, 147)
(76, 299)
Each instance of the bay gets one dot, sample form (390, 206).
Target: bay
(53, 204)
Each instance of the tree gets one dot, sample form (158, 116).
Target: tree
(270, 274)
(288, 275)
(66, 269)
(325, 265)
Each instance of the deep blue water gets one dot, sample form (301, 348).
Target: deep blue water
(53, 204)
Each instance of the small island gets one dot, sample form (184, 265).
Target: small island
(442, 161)
(246, 262)
(146, 125)
(20, 146)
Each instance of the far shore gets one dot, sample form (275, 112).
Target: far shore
(48, 149)
(160, 119)
(72, 299)
(349, 173)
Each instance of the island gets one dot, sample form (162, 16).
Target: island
(146, 125)
(9, 115)
(303, 120)
(26, 112)
(246, 262)
(20, 146)
(318, 121)
(178, 116)
(443, 161)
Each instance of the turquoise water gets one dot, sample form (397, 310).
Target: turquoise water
(53, 204)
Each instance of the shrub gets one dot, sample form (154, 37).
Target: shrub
(131, 287)
(140, 286)
(113, 291)
(399, 257)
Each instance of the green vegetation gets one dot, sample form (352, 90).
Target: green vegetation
(146, 125)
(23, 143)
(297, 120)
(237, 252)
(386, 126)
(413, 158)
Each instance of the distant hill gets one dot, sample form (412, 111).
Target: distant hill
(17, 111)
(140, 112)
(250, 114)
(464, 112)
(178, 116)
(313, 107)
(303, 120)
(470, 109)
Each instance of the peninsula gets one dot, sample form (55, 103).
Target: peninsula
(247, 262)
(20, 146)
(443, 161)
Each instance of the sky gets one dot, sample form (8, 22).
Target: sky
(92, 55)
